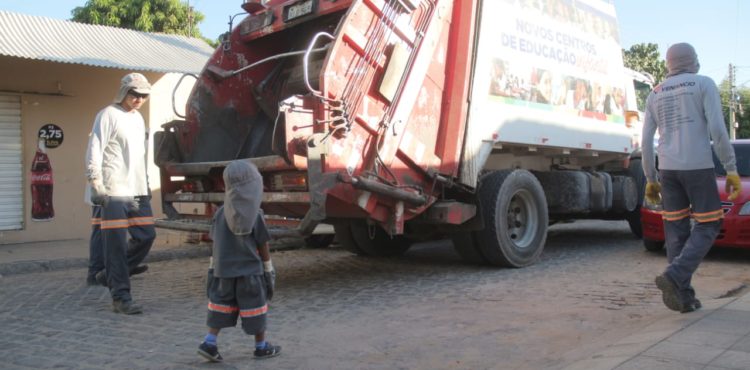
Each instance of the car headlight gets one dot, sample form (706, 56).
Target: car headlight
(745, 210)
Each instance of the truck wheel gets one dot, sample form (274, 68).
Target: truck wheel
(515, 216)
(374, 241)
(319, 241)
(634, 217)
(466, 246)
(653, 245)
(345, 238)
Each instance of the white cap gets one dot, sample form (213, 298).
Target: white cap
(135, 82)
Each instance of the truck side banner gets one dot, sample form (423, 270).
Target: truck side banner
(547, 73)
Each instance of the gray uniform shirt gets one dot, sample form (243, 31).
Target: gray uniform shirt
(116, 153)
(237, 255)
(686, 109)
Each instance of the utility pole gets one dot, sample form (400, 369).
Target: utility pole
(190, 19)
(732, 104)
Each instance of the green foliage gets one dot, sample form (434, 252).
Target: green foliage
(166, 16)
(645, 58)
(742, 114)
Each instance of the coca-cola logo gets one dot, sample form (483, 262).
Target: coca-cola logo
(41, 178)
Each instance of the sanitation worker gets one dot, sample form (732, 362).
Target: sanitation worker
(686, 110)
(118, 190)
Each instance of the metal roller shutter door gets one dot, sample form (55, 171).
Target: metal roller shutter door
(11, 180)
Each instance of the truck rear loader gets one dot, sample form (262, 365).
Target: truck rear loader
(398, 121)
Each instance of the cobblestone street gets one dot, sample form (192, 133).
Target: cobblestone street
(334, 310)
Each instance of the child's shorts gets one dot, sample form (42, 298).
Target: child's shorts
(243, 296)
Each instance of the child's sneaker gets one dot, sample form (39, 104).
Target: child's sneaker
(211, 353)
(269, 351)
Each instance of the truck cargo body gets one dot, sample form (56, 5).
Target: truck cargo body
(402, 120)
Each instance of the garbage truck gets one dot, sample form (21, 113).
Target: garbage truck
(398, 121)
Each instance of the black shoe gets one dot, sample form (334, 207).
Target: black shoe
(126, 307)
(138, 270)
(101, 278)
(211, 353)
(669, 293)
(91, 280)
(691, 306)
(269, 351)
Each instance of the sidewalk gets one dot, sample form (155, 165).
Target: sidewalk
(715, 337)
(23, 258)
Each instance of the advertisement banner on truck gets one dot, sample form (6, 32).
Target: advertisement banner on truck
(557, 55)
(547, 74)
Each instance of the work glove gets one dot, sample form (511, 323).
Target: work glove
(653, 192)
(269, 274)
(133, 204)
(733, 186)
(98, 192)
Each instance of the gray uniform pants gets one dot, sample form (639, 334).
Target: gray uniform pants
(685, 194)
(120, 217)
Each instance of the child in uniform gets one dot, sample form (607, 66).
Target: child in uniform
(241, 277)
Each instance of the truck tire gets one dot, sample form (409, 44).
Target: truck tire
(319, 241)
(345, 238)
(466, 246)
(514, 210)
(653, 245)
(634, 217)
(374, 241)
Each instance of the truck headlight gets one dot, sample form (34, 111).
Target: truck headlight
(745, 210)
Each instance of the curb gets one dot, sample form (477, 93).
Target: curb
(182, 252)
(33, 266)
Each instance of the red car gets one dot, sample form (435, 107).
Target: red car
(735, 230)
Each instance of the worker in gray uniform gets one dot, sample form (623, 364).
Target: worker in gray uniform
(686, 110)
(118, 189)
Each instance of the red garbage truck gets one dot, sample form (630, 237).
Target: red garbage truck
(397, 121)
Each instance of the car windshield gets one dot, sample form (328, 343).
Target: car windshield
(742, 154)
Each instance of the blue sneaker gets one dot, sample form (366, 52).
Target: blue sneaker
(269, 351)
(209, 352)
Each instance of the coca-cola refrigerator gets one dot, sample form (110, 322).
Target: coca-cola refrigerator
(41, 185)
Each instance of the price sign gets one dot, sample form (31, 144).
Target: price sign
(52, 135)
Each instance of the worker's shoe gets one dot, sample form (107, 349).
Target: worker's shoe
(210, 352)
(101, 278)
(267, 352)
(138, 270)
(126, 307)
(91, 280)
(670, 294)
(693, 305)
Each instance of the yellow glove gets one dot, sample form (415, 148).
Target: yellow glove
(653, 192)
(733, 186)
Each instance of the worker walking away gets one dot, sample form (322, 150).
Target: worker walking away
(241, 277)
(686, 110)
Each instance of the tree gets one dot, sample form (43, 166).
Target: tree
(742, 115)
(166, 16)
(645, 58)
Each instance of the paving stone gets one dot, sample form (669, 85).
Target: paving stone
(656, 363)
(733, 360)
(684, 352)
(333, 310)
(696, 337)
